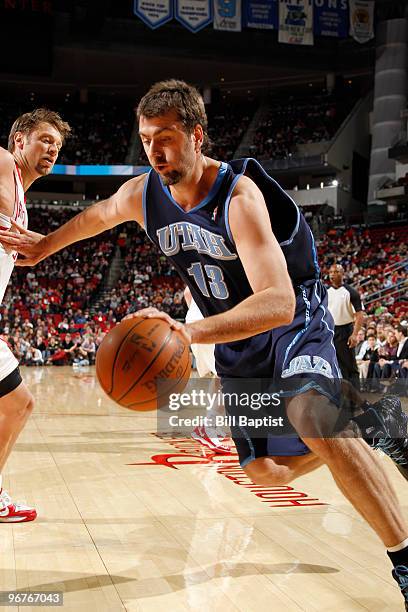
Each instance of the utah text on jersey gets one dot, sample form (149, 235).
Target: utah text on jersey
(190, 237)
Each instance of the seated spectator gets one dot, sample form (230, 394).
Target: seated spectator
(68, 346)
(63, 325)
(86, 351)
(362, 343)
(386, 356)
(53, 351)
(396, 365)
(366, 358)
(34, 357)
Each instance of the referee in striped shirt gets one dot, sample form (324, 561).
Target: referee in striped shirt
(347, 310)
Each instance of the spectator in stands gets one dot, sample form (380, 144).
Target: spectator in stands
(68, 346)
(34, 357)
(86, 351)
(387, 354)
(366, 361)
(396, 365)
(362, 343)
(63, 325)
(52, 349)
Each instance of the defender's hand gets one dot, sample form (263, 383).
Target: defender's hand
(153, 313)
(27, 243)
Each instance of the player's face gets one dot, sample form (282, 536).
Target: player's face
(169, 149)
(41, 148)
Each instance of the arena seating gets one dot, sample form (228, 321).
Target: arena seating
(375, 260)
(292, 121)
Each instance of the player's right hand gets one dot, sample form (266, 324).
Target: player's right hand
(27, 243)
(154, 313)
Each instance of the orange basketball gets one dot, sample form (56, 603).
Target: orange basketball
(140, 362)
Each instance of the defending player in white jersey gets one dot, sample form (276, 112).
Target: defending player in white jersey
(34, 143)
(205, 364)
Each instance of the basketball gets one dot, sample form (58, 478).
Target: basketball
(140, 362)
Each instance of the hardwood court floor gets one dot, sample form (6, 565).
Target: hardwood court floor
(115, 536)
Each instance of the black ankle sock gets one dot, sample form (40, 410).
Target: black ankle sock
(367, 422)
(400, 557)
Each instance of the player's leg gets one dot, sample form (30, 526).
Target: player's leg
(214, 438)
(278, 470)
(16, 405)
(15, 408)
(361, 478)
(272, 460)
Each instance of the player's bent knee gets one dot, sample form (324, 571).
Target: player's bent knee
(266, 472)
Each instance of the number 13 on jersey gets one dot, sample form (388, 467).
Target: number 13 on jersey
(209, 276)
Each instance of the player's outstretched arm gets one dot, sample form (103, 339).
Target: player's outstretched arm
(124, 205)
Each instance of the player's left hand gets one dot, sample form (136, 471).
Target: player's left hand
(153, 313)
(352, 341)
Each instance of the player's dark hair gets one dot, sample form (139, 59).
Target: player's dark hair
(27, 122)
(185, 99)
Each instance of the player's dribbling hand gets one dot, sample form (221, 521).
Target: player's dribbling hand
(25, 242)
(153, 313)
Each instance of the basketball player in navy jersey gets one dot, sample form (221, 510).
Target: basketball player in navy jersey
(246, 253)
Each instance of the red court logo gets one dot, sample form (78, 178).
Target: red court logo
(190, 452)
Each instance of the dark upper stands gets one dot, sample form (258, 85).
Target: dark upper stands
(101, 128)
(297, 120)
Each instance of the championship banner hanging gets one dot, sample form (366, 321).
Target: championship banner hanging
(262, 14)
(296, 22)
(362, 20)
(194, 14)
(153, 13)
(331, 18)
(227, 15)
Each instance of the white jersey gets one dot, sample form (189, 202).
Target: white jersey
(203, 353)
(7, 260)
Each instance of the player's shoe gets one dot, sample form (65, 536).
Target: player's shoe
(13, 512)
(400, 574)
(210, 438)
(389, 431)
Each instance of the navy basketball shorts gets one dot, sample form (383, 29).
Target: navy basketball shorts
(300, 357)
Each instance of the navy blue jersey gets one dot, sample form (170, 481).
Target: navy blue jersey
(201, 247)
